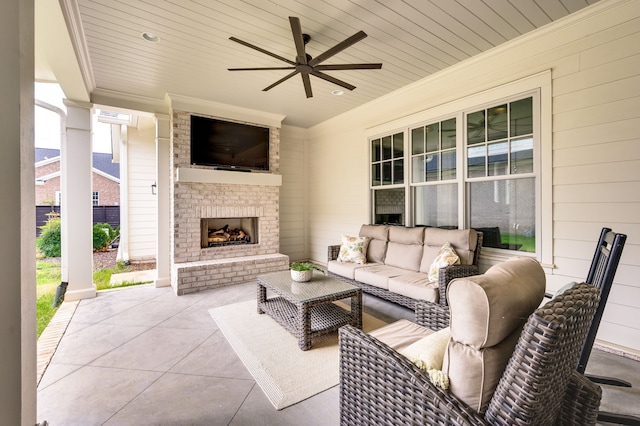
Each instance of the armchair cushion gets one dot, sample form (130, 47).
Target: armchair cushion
(400, 334)
(475, 374)
(487, 314)
(481, 315)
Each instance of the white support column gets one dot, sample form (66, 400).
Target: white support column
(17, 210)
(76, 205)
(163, 181)
(119, 132)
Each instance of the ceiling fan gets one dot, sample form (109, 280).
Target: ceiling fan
(305, 65)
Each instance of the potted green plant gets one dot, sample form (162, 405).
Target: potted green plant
(302, 271)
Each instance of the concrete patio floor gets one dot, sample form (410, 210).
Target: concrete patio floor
(143, 356)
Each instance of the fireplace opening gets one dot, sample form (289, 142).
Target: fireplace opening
(219, 232)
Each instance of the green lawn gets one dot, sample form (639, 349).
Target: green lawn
(528, 243)
(48, 277)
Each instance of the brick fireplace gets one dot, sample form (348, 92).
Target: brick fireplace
(202, 195)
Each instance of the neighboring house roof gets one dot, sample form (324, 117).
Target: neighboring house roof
(101, 161)
(43, 154)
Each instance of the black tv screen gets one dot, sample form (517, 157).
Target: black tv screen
(229, 145)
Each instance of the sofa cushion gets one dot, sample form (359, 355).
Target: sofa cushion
(403, 235)
(376, 251)
(405, 256)
(405, 247)
(379, 235)
(344, 269)
(464, 242)
(400, 334)
(353, 249)
(375, 232)
(415, 286)
(446, 256)
(486, 308)
(378, 275)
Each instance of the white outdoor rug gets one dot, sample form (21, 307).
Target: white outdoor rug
(285, 373)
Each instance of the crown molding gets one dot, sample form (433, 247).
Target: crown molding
(128, 102)
(223, 111)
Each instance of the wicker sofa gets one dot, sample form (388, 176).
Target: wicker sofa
(507, 361)
(397, 262)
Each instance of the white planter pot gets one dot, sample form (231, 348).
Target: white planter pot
(301, 276)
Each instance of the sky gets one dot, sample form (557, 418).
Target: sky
(47, 123)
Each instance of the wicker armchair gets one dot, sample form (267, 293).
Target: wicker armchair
(538, 387)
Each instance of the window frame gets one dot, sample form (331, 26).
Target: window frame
(382, 185)
(539, 87)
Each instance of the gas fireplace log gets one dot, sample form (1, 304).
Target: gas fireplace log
(224, 234)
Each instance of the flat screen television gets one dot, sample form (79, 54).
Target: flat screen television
(228, 145)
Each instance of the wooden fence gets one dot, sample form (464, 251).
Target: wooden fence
(101, 214)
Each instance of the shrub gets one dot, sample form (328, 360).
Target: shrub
(49, 241)
(103, 233)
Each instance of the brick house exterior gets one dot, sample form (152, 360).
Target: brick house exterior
(106, 178)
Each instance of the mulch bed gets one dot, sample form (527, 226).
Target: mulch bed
(107, 259)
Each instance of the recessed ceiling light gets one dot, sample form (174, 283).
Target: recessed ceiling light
(150, 37)
(337, 93)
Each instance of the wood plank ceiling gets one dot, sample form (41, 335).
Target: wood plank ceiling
(412, 38)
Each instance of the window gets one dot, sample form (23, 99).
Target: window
(95, 198)
(501, 183)
(483, 162)
(387, 179)
(433, 174)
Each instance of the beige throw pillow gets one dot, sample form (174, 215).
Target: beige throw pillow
(428, 352)
(353, 249)
(446, 256)
(428, 355)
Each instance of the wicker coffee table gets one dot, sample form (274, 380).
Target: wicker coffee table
(306, 309)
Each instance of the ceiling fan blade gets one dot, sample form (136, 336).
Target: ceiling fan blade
(333, 80)
(306, 81)
(266, 52)
(261, 69)
(338, 48)
(336, 67)
(298, 39)
(283, 79)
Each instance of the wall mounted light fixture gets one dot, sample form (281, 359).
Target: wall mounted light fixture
(154, 188)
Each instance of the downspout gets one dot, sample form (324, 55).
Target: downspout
(120, 132)
(64, 255)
